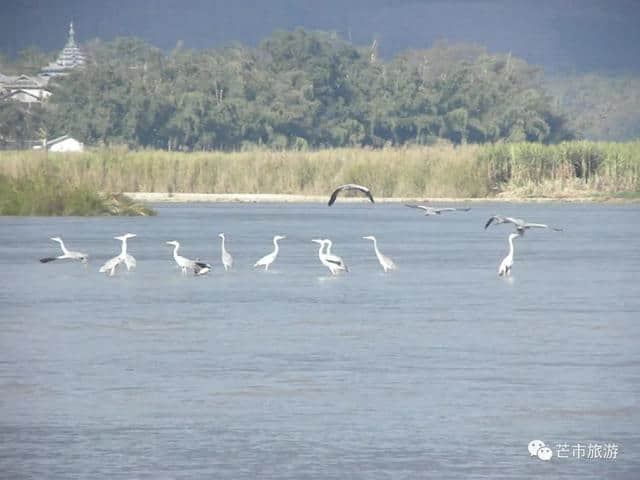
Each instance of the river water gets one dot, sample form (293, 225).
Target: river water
(437, 370)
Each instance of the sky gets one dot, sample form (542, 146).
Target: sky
(559, 35)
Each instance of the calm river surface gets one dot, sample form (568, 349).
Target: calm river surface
(438, 370)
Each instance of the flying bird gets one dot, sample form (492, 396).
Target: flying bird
(66, 254)
(271, 257)
(187, 265)
(521, 225)
(350, 186)
(386, 262)
(227, 259)
(123, 257)
(437, 211)
(507, 262)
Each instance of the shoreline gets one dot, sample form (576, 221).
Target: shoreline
(165, 197)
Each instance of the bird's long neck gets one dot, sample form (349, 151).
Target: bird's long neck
(123, 252)
(276, 249)
(511, 246)
(375, 247)
(175, 251)
(222, 245)
(320, 250)
(328, 250)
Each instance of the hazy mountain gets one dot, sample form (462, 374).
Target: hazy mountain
(561, 35)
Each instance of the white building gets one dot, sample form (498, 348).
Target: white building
(33, 89)
(24, 88)
(62, 144)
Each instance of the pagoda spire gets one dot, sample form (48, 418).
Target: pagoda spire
(70, 57)
(71, 40)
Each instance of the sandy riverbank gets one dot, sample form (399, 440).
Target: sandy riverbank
(160, 197)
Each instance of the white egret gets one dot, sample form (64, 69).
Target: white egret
(123, 257)
(332, 262)
(350, 186)
(437, 211)
(507, 262)
(334, 258)
(386, 262)
(66, 254)
(521, 225)
(227, 259)
(186, 264)
(270, 258)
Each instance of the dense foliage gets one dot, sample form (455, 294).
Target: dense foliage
(296, 90)
(600, 106)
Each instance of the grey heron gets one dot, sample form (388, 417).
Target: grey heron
(333, 257)
(227, 259)
(521, 225)
(66, 254)
(350, 186)
(334, 263)
(186, 264)
(123, 257)
(437, 211)
(386, 262)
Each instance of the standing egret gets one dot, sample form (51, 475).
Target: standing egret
(186, 264)
(521, 225)
(66, 254)
(350, 186)
(507, 262)
(334, 258)
(437, 211)
(227, 259)
(386, 262)
(332, 262)
(270, 258)
(123, 257)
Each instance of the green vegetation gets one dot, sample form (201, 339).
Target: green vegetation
(296, 90)
(600, 106)
(43, 195)
(517, 170)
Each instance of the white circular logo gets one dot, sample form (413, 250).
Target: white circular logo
(534, 446)
(545, 453)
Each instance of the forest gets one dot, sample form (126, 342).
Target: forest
(296, 90)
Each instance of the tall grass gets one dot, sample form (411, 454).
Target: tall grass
(567, 168)
(41, 195)
(523, 169)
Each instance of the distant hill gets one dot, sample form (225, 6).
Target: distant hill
(601, 107)
(559, 35)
